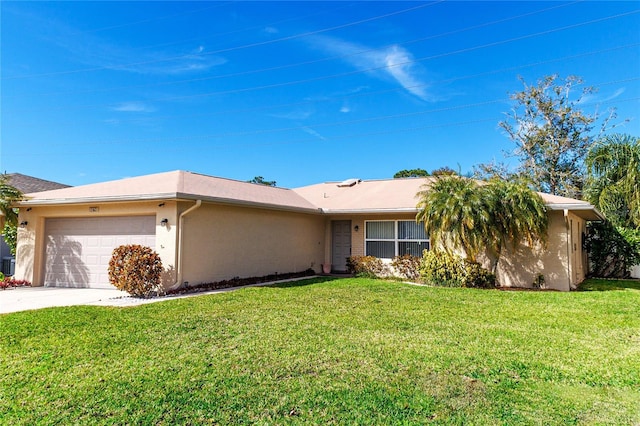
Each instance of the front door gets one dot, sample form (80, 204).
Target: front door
(340, 244)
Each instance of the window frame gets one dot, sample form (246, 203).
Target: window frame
(396, 240)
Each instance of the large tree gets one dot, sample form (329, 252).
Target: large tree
(444, 171)
(613, 186)
(261, 181)
(552, 134)
(411, 173)
(613, 179)
(458, 213)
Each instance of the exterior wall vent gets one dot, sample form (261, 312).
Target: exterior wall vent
(348, 183)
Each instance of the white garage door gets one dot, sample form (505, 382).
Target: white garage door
(78, 250)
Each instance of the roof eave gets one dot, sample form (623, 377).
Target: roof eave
(586, 211)
(244, 203)
(162, 196)
(91, 200)
(371, 210)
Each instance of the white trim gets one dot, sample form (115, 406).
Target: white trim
(577, 207)
(164, 196)
(371, 211)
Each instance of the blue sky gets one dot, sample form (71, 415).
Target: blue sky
(297, 92)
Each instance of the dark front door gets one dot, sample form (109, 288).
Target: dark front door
(340, 244)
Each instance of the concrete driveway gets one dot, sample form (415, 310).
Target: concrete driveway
(27, 298)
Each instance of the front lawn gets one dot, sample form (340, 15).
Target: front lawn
(322, 351)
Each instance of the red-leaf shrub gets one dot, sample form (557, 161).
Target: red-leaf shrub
(8, 282)
(135, 269)
(407, 266)
(367, 266)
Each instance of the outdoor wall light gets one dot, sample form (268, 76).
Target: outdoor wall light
(356, 228)
(23, 224)
(164, 222)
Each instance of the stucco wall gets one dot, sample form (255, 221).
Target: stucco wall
(562, 262)
(223, 242)
(517, 268)
(30, 251)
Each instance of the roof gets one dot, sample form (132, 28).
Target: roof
(400, 195)
(370, 196)
(29, 184)
(352, 196)
(175, 185)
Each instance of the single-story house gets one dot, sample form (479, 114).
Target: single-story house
(25, 184)
(208, 229)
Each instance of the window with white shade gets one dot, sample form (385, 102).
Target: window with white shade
(388, 238)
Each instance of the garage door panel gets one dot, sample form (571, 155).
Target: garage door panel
(78, 250)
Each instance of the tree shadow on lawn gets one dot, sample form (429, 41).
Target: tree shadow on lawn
(595, 284)
(303, 282)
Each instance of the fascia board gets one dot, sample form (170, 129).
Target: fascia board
(161, 196)
(577, 207)
(370, 211)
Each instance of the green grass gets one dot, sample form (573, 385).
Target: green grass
(319, 351)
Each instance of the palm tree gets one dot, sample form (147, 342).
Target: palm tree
(8, 214)
(458, 213)
(517, 214)
(455, 215)
(8, 195)
(613, 178)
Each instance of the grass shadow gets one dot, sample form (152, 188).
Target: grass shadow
(596, 284)
(303, 282)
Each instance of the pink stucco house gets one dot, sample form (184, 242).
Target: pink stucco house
(209, 229)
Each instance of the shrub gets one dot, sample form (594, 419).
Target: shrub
(448, 270)
(441, 268)
(367, 266)
(8, 282)
(407, 266)
(476, 276)
(613, 250)
(538, 281)
(135, 269)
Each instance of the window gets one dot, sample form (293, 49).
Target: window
(388, 238)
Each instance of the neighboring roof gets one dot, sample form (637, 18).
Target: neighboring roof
(29, 184)
(175, 185)
(347, 197)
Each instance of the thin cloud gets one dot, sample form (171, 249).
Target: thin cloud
(154, 62)
(97, 51)
(338, 94)
(312, 132)
(393, 62)
(396, 59)
(293, 115)
(596, 98)
(345, 109)
(133, 107)
(615, 94)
